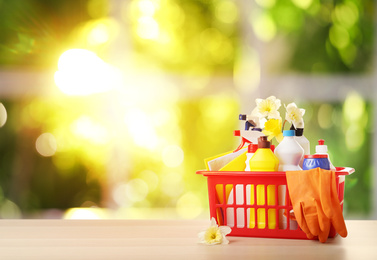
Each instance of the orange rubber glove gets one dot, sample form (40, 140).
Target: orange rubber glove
(315, 202)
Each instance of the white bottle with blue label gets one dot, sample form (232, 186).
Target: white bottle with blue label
(321, 148)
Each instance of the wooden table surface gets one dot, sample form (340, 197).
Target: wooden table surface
(167, 239)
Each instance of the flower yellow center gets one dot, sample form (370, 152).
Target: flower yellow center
(213, 235)
(293, 116)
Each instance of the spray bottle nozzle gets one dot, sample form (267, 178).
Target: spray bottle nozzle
(242, 117)
(321, 142)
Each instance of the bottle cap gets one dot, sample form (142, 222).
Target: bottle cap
(252, 148)
(289, 133)
(321, 147)
(299, 131)
(263, 142)
(242, 117)
(315, 156)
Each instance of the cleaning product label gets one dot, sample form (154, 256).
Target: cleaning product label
(316, 160)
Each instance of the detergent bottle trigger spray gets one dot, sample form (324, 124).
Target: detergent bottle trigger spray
(321, 148)
(251, 133)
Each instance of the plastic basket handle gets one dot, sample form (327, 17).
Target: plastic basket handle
(344, 170)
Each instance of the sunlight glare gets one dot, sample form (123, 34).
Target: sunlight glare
(147, 7)
(99, 35)
(85, 128)
(85, 213)
(141, 129)
(148, 28)
(82, 72)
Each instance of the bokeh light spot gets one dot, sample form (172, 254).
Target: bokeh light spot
(217, 45)
(172, 156)
(303, 4)
(3, 115)
(348, 54)
(148, 28)
(339, 36)
(119, 194)
(346, 14)
(85, 128)
(211, 39)
(147, 7)
(353, 108)
(325, 116)
(355, 137)
(99, 35)
(46, 144)
(150, 178)
(133, 191)
(136, 190)
(290, 19)
(189, 206)
(9, 210)
(216, 110)
(264, 26)
(226, 11)
(140, 128)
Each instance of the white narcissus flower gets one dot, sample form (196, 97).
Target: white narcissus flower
(268, 107)
(294, 115)
(214, 234)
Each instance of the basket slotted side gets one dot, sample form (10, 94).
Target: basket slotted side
(218, 210)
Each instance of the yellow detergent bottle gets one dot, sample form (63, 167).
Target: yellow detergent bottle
(263, 160)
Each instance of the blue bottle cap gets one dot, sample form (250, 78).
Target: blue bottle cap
(289, 133)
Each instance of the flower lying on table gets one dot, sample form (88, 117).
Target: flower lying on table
(214, 234)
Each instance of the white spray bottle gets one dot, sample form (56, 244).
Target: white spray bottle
(321, 148)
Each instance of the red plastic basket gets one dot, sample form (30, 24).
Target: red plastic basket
(231, 202)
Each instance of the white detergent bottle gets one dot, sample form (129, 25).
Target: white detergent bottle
(251, 149)
(289, 152)
(304, 142)
(321, 148)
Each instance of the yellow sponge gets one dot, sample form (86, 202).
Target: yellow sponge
(215, 163)
(237, 164)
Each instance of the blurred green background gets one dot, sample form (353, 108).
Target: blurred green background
(114, 104)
